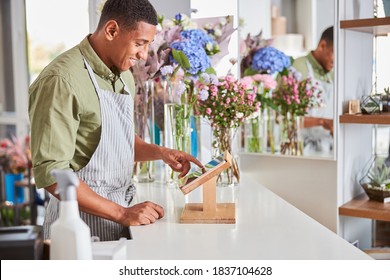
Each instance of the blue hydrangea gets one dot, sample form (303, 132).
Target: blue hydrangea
(197, 36)
(196, 55)
(270, 60)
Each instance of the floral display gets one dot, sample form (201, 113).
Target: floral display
(270, 60)
(226, 103)
(294, 98)
(258, 128)
(14, 155)
(248, 48)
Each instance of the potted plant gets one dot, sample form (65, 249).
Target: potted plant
(386, 100)
(376, 182)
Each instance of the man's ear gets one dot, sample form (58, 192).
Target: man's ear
(323, 44)
(111, 29)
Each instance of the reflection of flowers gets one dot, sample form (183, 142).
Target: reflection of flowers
(270, 60)
(294, 98)
(263, 85)
(14, 155)
(226, 103)
(248, 49)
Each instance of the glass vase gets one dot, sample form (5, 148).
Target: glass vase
(254, 135)
(375, 178)
(177, 124)
(226, 139)
(291, 142)
(145, 128)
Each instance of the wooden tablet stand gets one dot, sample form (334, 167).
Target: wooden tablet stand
(209, 212)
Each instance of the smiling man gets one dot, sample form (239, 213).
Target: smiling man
(81, 113)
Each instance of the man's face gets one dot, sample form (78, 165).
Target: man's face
(327, 57)
(130, 46)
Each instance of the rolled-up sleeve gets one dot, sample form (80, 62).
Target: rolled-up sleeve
(54, 118)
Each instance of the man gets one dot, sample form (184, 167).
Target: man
(318, 65)
(81, 113)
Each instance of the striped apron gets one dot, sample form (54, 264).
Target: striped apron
(109, 171)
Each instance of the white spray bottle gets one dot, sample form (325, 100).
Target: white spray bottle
(70, 235)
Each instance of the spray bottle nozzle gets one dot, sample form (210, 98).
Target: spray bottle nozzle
(67, 182)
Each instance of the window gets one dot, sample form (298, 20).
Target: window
(53, 26)
(13, 69)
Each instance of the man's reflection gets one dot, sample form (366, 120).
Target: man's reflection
(318, 64)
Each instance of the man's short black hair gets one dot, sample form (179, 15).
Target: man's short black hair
(128, 13)
(327, 35)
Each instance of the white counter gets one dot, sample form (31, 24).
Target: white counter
(267, 227)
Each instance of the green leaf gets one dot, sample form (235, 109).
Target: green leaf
(181, 59)
(250, 72)
(211, 70)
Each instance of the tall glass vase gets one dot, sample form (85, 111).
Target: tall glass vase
(177, 124)
(144, 128)
(291, 142)
(226, 139)
(254, 135)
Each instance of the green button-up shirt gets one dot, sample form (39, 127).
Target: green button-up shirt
(65, 113)
(300, 64)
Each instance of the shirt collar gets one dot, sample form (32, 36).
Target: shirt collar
(316, 65)
(96, 63)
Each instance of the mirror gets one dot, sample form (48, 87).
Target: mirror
(295, 27)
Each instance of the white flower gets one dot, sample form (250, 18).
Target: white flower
(168, 23)
(214, 79)
(209, 46)
(187, 23)
(203, 95)
(166, 70)
(180, 88)
(223, 21)
(218, 32)
(239, 115)
(205, 77)
(253, 115)
(208, 26)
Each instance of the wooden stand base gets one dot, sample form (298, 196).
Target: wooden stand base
(193, 214)
(209, 212)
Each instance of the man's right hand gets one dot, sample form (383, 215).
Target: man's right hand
(142, 214)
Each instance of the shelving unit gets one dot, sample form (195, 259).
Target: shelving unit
(375, 26)
(362, 207)
(383, 118)
(355, 50)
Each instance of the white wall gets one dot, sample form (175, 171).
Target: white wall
(308, 184)
(169, 8)
(257, 17)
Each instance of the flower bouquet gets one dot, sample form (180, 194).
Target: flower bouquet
(260, 65)
(294, 97)
(225, 103)
(258, 128)
(15, 157)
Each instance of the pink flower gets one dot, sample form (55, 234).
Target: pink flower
(208, 111)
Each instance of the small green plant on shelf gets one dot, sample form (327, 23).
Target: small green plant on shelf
(376, 179)
(379, 177)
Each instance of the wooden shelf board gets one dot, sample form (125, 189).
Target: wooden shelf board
(375, 26)
(362, 207)
(383, 118)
